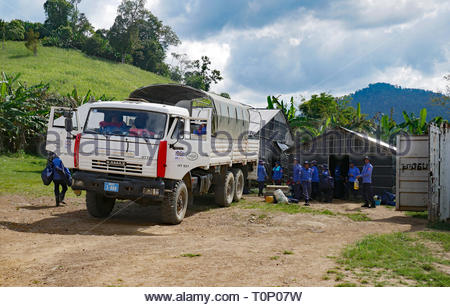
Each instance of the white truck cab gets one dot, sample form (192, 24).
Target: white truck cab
(164, 144)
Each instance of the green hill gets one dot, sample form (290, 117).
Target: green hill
(66, 68)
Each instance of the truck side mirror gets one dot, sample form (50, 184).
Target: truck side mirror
(68, 124)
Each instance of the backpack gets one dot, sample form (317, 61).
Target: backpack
(67, 176)
(47, 174)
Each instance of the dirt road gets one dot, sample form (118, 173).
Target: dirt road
(41, 245)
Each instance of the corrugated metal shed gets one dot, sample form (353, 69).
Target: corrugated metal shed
(339, 146)
(273, 130)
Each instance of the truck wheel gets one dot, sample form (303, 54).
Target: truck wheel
(175, 204)
(239, 183)
(225, 190)
(99, 205)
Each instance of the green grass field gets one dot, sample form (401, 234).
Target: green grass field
(395, 259)
(66, 68)
(21, 174)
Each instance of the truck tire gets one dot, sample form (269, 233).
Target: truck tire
(98, 205)
(225, 190)
(175, 204)
(239, 182)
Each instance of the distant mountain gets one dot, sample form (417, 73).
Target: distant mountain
(381, 97)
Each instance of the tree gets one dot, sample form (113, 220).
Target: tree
(81, 29)
(444, 99)
(32, 41)
(123, 35)
(57, 13)
(201, 76)
(15, 30)
(319, 106)
(154, 39)
(3, 32)
(225, 95)
(98, 45)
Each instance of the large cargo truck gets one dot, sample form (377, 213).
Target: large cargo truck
(164, 144)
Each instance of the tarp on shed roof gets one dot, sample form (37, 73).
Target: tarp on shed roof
(260, 117)
(371, 139)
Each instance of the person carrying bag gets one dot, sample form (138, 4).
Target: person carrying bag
(60, 175)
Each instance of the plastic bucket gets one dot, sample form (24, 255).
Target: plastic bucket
(377, 202)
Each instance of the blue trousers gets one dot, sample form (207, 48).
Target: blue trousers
(306, 187)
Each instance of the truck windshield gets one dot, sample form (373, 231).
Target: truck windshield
(122, 122)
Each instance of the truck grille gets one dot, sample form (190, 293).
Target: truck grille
(117, 165)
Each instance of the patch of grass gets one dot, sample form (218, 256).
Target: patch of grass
(417, 214)
(286, 252)
(66, 68)
(21, 174)
(331, 272)
(357, 217)
(274, 257)
(346, 284)
(189, 255)
(394, 256)
(295, 208)
(442, 238)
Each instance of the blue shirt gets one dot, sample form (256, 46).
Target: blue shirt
(315, 174)
(277, 173)
(58, 169)
(352, 173)
(262, 174)
(366, 173)
(296, 175)
(305, 174)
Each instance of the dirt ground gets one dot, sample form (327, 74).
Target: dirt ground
(41, 245)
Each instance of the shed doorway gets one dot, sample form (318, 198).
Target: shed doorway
(340, 162)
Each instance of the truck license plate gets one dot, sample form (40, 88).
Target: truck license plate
(111, 187)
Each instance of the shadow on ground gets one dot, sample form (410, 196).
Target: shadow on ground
(416, 224)
(127, 219)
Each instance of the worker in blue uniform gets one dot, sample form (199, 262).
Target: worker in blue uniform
(261, 177)
(305, 180)
(277, 173)
(315, 180)
(326, 184)
(353, 173)
(366, 175)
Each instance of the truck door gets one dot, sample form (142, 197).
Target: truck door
(59, 141)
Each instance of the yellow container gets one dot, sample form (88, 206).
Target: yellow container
(269, 199)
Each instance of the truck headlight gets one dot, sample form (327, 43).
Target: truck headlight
(150, 191)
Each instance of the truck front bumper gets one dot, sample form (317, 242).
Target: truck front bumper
(129, 187)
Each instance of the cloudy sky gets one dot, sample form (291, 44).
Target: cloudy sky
(297, 47)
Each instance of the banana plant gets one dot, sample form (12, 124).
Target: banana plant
(416, 125)
(289, 111)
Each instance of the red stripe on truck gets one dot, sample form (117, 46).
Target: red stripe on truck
(162, 159)
(76, 151)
